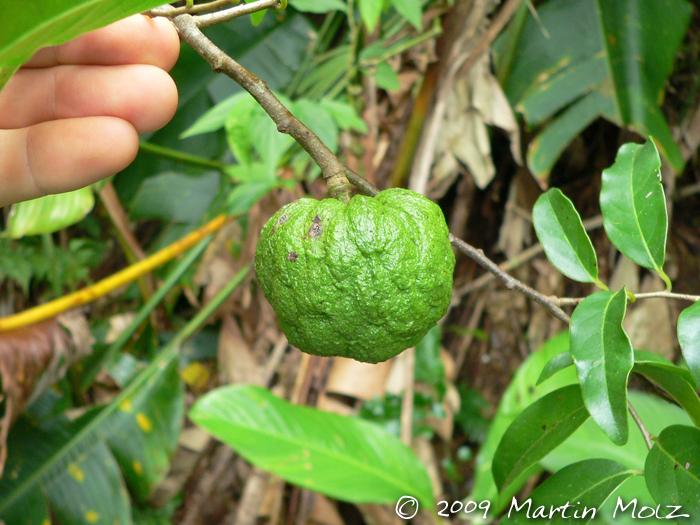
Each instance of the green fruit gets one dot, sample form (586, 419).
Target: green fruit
(364, 280)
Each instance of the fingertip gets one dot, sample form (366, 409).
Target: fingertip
(168, 41)
(60, 156)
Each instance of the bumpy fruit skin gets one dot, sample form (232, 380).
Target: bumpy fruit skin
(364, 280)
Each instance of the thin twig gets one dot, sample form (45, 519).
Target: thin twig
(524, 256)
(170, 11)
(572, 301)
(511, 282)
(333, 169)
(645, 433)
(212, 19)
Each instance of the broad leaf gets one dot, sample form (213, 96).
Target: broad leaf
(574, 490)
(689, 338)
(584, 59)
(674, 382)
(50, 213)
(75, 465)
(672, 471)
(603, 357)
(342, 457)
(37, 23)
(634, 207)
(521, 392)
(538, 430)
(565, 241)
(554, 365)
(589, 442)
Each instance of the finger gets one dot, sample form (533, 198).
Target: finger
(146, 96)
(134, 40)
(64, 155)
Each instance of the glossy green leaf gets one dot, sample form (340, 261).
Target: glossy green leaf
(584, 59)
(672, 471)
(50, 213)
(521, 392)
(346, 458)
(575, 490)
(37, 23)
(75, 465)
(589, 442)
(603, 357)
(689, 338)
(370, 10)
(673, 380)
(554, 365)
(634, 207)
(318, 6)
(565, 241)
(642, 357)
(411, 10)
(536, 431)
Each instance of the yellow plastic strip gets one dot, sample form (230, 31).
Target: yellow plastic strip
(107, 285)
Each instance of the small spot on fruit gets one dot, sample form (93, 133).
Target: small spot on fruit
(293, 256)
(315, 230)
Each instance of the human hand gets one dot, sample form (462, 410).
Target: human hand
(71, 116)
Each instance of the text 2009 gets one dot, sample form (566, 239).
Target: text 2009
(467, 507)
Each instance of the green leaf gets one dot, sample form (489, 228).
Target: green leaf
(257, 17)
(175, 197)
(386, 77)
(634, 207)
(342, 457)
(565, 241)
(344, 114)
(574, 490)
(238, 128)
(411, 10)
(642, 357)
(50, 213)
(327, 71)
(217, 116)
(603, 356)
(318, 120)
(554, 365)
(675, 382)
(36, 24)
(689, 338)
(318, 6)
(589, 442)
(370, 10)
(521, 392)
(75, 465)
(538, 430)
(672, 470)
(584, 59)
